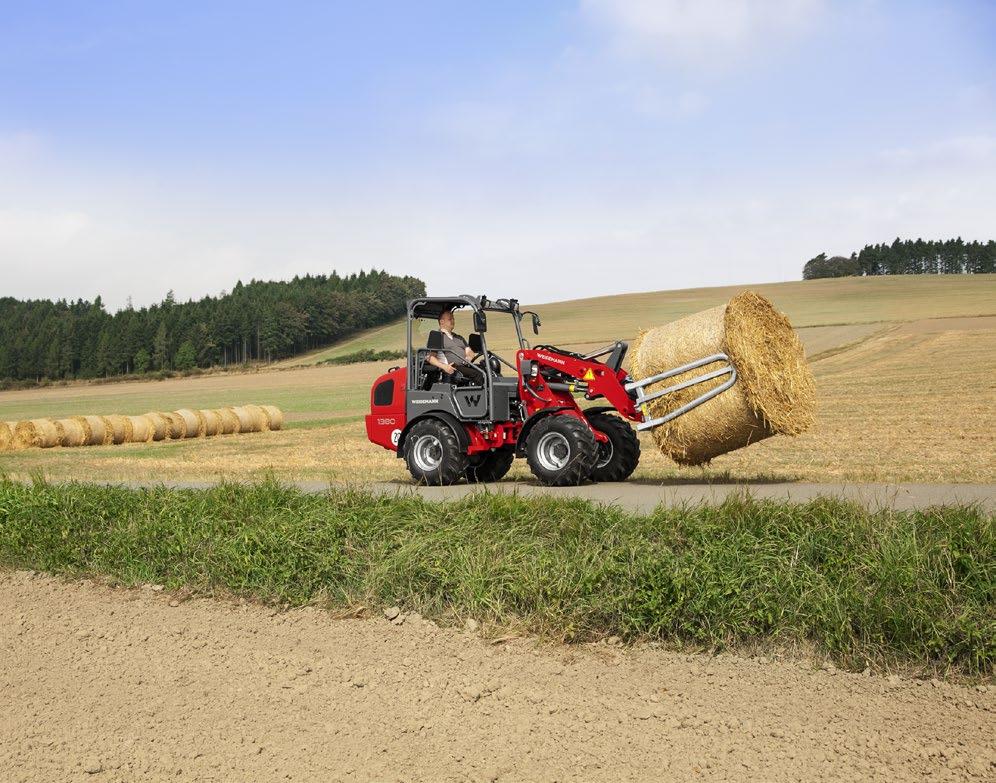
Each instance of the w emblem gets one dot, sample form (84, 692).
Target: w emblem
(473, 399)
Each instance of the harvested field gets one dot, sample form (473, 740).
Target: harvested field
(897, 402)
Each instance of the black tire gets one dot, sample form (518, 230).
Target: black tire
(490, 465)
(433, 453)
(618, 458)
(561, 450)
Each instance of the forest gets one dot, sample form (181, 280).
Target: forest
(254, 322)
(909, 257)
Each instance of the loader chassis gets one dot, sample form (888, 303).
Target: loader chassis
(472, 424)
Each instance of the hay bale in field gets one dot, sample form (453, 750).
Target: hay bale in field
(193, 424)
(274, 416)
(7, 435)
(228, 421)
(259, 419)
(38, 433)
(775, 393)
(247, 422)
(118, 429)
(212, 422)
(71, 432)
(141, 429)
(176, 427)
(159, 424)
(94, 430)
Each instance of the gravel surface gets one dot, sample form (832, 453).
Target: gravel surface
(111, 684)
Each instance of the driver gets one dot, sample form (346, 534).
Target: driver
(454, 346)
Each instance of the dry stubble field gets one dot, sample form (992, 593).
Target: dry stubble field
(906, 372)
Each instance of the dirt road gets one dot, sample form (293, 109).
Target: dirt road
(103, 684)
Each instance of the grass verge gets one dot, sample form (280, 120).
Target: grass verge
(913, 589)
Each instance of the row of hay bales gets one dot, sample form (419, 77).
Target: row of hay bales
(156, 426)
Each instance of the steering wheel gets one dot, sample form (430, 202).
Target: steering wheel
(495, 370)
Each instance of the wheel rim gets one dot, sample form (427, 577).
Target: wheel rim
(428, 453)
(553, 451)
(605, 452)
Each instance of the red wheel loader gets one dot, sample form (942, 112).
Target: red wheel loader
(471, 425)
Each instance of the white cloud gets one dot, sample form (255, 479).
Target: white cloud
(707, 34)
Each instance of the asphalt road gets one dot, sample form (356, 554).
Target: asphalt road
(644, 497)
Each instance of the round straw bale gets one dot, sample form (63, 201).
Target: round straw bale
(774, 394)
(228, 421)
(212, 422)
(176, 427)
(6, 436)
(94, 430)
(274, 417)
(259, 419)
(247, 422)
(193, 425)
(141, 429)
(118, 429)
(159, 425)
(40, 433)
(71, 432)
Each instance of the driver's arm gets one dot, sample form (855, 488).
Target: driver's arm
(438, 363)
(469, 353)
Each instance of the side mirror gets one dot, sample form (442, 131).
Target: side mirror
(536, 323)
(476, 343)
(480, 321)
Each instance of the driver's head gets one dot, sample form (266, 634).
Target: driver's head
(446, 320)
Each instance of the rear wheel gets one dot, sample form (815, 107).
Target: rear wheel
(490, 465)
(433, 453)
(620, 454)
(561, 450)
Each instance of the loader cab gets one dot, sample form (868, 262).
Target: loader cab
(486, 391)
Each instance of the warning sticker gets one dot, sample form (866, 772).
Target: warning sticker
(589, 375)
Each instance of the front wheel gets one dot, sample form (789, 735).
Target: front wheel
(433, 453)
(561, 450)
(620, 454)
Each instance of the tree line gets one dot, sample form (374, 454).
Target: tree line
(908, 257)
(257, 321)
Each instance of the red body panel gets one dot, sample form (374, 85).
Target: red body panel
(385, 421)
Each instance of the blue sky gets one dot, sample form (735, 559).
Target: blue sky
(545, 150)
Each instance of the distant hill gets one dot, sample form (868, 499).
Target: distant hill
(812, 306)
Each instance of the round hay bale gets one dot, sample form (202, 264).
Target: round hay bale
(71, 432)
(94, 430)
(212, 422)
(274, 417)
(774, 394)
(176, 427)
(193, 425)
(118, 429)
(36, 433)
(141, 429)
(259, 420)
(159, 425)
(6, 436)
(229, 422)
(247, 422)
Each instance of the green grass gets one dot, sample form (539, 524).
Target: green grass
(913, 589)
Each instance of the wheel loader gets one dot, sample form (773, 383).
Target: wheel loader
(471, 425)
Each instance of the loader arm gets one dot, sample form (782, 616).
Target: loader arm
(550, 377)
